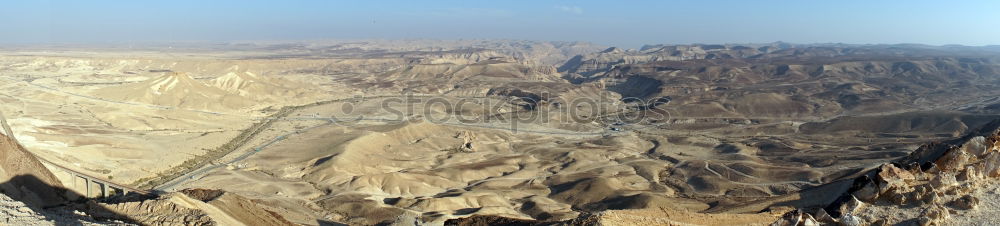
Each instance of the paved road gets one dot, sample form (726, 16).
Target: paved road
(709, 169)
(208, 168)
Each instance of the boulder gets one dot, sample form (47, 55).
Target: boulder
(954, 159)
(976, 146)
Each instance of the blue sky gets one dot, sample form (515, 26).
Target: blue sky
(619, 23)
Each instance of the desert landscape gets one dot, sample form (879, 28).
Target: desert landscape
(471, 132)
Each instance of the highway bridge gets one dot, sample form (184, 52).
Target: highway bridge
(86, 184)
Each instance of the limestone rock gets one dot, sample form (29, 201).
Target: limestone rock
(954, 159)
(851, 220)
(966, 202)
(824, 217)
(867, 193)
(880, 222)
(944, 180)
(932, 198)
(934, 215)
(925, 221)
(467, 138)
(792, 218)
(808, 220)
(898, 198)
(991, 164)
(970, 174)
(924, 190)
(895, 191)
(976, 146)
(914, 168)
(889, 172)
(965, 189)
(852, 206)
(407, 219)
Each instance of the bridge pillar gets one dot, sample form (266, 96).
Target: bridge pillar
(82, 186)
(101, 190)
(86, 183)
(74, 191)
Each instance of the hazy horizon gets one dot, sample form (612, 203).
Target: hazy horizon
(623, 24)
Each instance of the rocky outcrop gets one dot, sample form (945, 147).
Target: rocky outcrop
(170, 209)
(188, 207)
(24, 178)
(14, 212)
(247, 211)
(928, 187)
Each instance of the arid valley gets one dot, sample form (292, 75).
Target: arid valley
(411, 132)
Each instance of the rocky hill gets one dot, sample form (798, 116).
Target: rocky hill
(263, 88)
(793, 82)
(176, 89)
(946, 183)
(27, 188)
(24, 178)
(941, 183)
